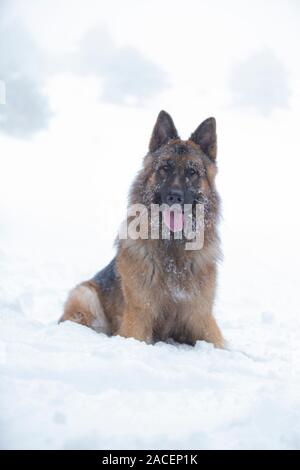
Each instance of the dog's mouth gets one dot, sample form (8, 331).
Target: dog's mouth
(173, 218)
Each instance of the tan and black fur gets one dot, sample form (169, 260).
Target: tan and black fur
(156, 289)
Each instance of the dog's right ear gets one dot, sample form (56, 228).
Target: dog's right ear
(164, 130)
(205, 136)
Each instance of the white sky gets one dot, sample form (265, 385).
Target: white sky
(202, 52)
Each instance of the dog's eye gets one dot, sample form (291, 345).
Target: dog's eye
(165, 168)
(191, 172)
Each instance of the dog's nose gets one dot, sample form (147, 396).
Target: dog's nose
(175, 197)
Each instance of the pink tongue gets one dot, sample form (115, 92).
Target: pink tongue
(173, 220)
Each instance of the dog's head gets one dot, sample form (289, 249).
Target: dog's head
(179, 172)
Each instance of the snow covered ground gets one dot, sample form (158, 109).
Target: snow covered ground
(64, 386)
(67, 387)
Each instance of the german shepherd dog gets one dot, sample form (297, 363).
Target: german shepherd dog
(156, 289)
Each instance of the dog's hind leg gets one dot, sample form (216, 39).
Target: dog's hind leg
(84, 306)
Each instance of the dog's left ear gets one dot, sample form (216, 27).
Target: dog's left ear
(206, 137)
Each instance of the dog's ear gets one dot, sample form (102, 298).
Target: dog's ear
(205, 135)
(164, 130)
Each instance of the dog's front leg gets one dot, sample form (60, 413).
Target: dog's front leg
(136, 324)
(137, 273)
(212, 333)
(204, 327)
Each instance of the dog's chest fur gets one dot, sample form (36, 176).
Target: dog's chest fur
(172, 274)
